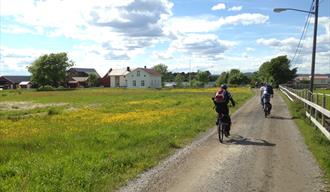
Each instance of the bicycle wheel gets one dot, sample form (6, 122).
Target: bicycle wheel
(267, 110)
(220, 132)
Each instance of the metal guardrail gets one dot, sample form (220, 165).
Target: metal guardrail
(315, 107)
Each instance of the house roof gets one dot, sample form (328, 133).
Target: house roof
(118, 72)
(86, 70)
(151, 71)
(24, 83)
(321, 77)
(17, 79)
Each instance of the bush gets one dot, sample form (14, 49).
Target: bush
(46, 88)
(54, 111)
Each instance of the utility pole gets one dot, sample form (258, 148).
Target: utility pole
(316, 14)
(314, 44)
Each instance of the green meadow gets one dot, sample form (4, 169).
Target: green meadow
(96, 139)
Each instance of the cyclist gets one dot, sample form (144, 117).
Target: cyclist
(221, 100)
(266, 91)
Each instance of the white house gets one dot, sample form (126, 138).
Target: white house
(25, 84)
(144, 78)
(118, 77)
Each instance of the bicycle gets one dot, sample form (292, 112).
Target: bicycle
(222, 127)
(266, 106)
(222, 124)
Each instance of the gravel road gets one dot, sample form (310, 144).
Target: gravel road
(262, 154)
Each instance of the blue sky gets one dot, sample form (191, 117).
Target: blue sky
(184, 35)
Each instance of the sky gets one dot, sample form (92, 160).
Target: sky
(184, 35)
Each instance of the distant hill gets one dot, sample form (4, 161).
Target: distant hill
(305, 74)
(248, 74)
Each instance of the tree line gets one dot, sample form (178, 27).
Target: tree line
(51, 70)
(276, 71)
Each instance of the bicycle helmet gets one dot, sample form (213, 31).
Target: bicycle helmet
(224, 86)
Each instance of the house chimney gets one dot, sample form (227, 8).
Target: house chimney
(145, 67)
(128, 69)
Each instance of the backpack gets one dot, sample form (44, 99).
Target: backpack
(220, 97)
(269, 89)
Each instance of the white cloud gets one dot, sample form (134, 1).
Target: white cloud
(15, 29)
(244, 19)
(249, 49)
(127, 24)
(208, 24)
(235, 8)
(206, 46)
(219, 6)
(288, 47)
(17, 60)
(278, 43)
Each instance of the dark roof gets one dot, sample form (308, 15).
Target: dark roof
(85, 70)
(17, 79)
(151, 71)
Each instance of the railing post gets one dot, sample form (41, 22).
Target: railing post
(323, 105)
(317, 103)
(310, 107)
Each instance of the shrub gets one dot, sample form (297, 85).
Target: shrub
(54, 111)
(46, 88)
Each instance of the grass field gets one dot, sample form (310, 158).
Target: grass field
(325, 91)
(96, 139)
(317, 143)
(320, 97)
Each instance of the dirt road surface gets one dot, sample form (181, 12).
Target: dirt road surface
(261, 155)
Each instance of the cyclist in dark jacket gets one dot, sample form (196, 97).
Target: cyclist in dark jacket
(266, 91)
(221, 100)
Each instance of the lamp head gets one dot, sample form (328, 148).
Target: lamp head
(278, 10)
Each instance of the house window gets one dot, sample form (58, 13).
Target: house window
(144, 75)
(138, 74)
(134, 83)
(142, 83)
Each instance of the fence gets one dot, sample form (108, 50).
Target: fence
(316, 107)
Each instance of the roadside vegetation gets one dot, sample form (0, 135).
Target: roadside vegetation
(96, 139)
(317, 143)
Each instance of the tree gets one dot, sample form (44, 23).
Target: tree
(50, 69)
(222, 79)
(161, 68)
(179, 78)
(236, 77)
(277, 70)
(93, 80)
(203, 77)
(255, 78)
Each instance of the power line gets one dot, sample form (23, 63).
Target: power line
(302, 37)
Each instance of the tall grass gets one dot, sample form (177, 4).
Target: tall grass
(101, 139)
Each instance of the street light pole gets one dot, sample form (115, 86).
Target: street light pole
(316, 14)
(314, 45)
